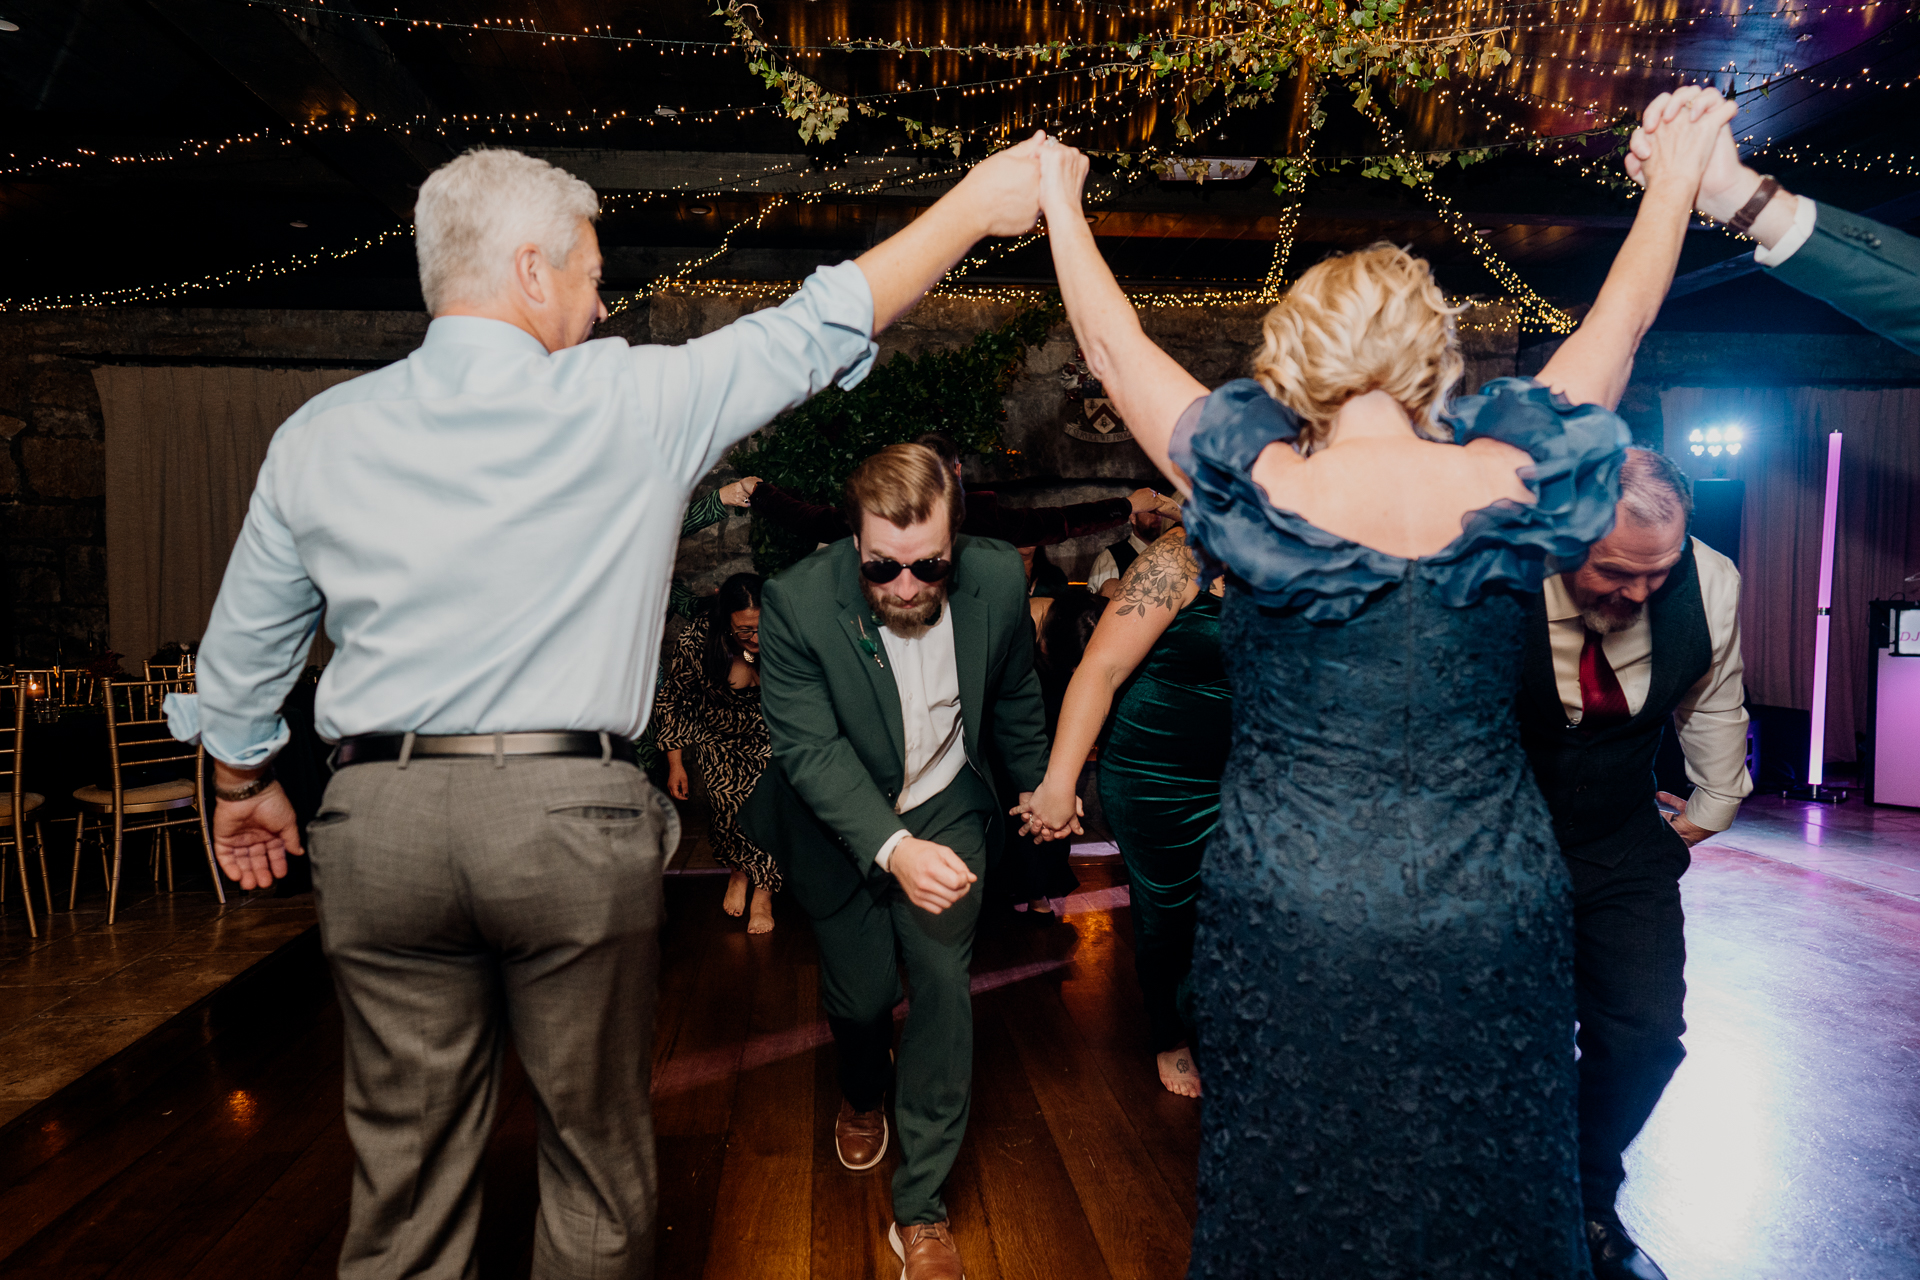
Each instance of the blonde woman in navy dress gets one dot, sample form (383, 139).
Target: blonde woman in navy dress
(1383, 966)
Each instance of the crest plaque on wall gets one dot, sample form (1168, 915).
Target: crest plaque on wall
(1089, 415)
(1095, 419)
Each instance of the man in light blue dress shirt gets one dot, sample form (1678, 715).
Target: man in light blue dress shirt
(489, 528)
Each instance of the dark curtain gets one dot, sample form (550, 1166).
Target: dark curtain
(1784, 462)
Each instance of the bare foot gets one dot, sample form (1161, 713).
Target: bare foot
(736, 899)
(1178, 1073)
(761, 921)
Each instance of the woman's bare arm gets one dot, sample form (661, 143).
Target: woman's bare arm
(1155, 587)
(1147, 385)
(1593, 366)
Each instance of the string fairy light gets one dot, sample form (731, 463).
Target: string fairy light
(231, 278)
(1119, 74)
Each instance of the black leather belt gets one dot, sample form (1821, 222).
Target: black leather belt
(372, 747)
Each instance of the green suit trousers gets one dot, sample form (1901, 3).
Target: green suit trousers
(863, 948)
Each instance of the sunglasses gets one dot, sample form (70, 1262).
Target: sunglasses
(888, 570)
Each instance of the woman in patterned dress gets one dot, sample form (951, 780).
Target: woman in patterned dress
(710, 698)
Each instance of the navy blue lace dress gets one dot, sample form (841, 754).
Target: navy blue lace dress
(1384, 964)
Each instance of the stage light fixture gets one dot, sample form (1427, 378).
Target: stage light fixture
(1715, 441)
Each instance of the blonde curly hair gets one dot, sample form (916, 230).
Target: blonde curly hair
(1372, 320)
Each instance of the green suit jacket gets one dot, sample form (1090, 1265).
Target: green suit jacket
(1863, 269)
(824, 806)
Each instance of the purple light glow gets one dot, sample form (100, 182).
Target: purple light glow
(1823, 620)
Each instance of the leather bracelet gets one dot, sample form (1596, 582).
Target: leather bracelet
(247, 792)
(1756, 203)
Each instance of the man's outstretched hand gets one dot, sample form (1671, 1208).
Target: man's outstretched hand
(252, 837)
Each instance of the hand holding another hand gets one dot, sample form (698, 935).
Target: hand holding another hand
(932, 875)
(740, 492)
(1051, 813)
(1681, 136)
(1002, 192)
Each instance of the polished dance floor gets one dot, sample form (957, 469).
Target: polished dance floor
(1786, 1147)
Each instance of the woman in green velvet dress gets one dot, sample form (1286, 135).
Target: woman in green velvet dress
(1155, 661)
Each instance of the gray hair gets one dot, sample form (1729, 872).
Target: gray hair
(473, 212)
(1654, 490)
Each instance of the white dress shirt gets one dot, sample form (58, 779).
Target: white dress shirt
(1105, 568)
(1805, 212)
(1711, 719)
(927, 673)
(491, 529)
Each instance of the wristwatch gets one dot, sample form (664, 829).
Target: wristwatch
(1762, 197)
(247, 792)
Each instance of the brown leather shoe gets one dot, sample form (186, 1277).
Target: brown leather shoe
(928, 1251)
(860, 1137)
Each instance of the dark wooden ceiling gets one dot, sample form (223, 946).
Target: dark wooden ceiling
(147, 142)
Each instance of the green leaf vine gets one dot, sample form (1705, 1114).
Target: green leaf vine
(811, 450)
(1249, 56)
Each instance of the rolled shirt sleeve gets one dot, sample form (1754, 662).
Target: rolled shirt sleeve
(1711, 720)
(257, 639)
(736, 380)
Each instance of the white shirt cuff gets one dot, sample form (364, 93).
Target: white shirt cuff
(1804, 213)
(1714, 813)
(886, 850)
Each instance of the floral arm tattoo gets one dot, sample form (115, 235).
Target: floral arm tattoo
(1160, 576)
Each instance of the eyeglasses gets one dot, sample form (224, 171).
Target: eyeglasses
(888, 570)
(746, 633)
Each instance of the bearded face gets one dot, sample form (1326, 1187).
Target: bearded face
(904, 603)
(907, 619)
(1609, 614)
(1623, 570)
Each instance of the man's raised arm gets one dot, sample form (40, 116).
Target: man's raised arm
(1000, 196)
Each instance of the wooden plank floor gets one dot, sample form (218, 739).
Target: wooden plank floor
(232, 1161)
(214, 1148)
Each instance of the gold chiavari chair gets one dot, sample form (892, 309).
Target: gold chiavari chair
(53, 688)
(138, 742)
(18, 806)
(170, 670)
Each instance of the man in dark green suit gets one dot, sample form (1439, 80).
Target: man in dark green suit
(891, 663)
(1859, 267)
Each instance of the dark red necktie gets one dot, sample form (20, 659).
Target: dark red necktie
(1603, 702)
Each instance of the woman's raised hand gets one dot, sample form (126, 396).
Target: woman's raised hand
(1063, 171)
(1677, 138)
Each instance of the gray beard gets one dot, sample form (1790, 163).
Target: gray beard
(908, 621)
(1607, 622)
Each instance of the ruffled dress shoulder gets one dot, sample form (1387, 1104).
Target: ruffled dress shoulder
(1284, 562)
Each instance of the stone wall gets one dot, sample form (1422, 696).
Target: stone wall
(52, 471)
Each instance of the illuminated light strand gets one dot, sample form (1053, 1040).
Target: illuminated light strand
(250, 274)
(1555, 320)
(1142, 296)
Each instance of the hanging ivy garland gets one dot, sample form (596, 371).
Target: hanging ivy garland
(811, 450)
